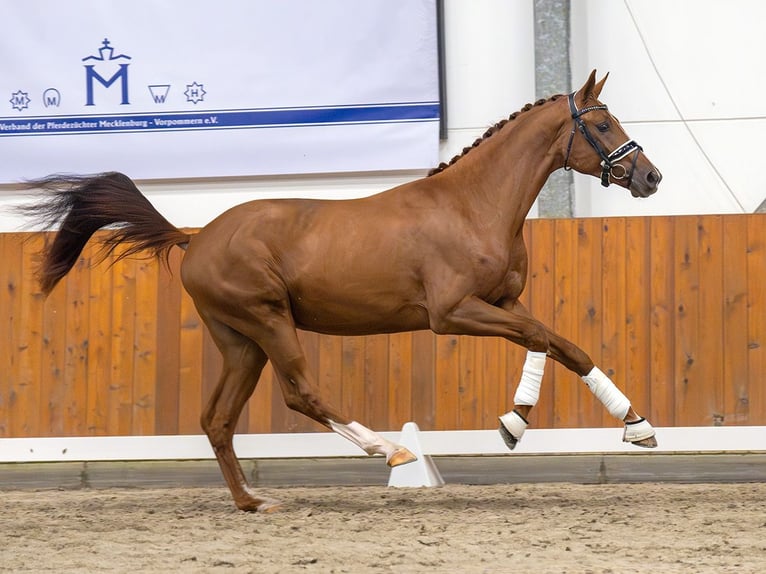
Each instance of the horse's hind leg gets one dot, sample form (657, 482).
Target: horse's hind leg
(297, 385)
(243, 363)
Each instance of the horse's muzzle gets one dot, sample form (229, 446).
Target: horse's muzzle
(647, 184)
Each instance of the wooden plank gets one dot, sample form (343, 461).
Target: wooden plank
(353, 382)
(399, 379)
(567, 385)
(100, 327)
(688, 378)
(756, 322)
(10, 255)
(614, 354)
(492, 366)
(376, 382)
(167, 393)
(542, 304)
(735, 317)
(423, 379)
(468, 383)
(120, 395)
(75, 380)
(51, 386)
(447, 369)
(637, 368)
(662, 326)
(145, 354)
(29, 308)
(710, 393)
(590, 311)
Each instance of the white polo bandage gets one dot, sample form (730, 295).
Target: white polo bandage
(528, 390)
(605, 390)
(369, 441)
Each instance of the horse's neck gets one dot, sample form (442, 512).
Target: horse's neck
(504, 175)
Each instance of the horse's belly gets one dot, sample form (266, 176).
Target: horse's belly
(335, 317)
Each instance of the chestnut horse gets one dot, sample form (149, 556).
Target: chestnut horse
(444, 253)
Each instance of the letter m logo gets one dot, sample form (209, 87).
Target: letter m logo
(121, 75)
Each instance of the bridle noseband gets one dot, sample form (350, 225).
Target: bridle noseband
(608, 161)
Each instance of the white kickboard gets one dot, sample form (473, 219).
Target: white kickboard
(422, 472)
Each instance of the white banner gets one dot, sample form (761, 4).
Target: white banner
(197, 88)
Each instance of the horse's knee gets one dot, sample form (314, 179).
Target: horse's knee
(439, 324)
(535, 338)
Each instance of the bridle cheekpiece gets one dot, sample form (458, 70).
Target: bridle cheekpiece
(609, 165)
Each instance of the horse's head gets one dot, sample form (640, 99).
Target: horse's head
(597, 144)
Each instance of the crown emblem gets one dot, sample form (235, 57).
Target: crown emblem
(106, 53)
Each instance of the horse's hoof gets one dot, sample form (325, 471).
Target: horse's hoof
(650, 442)
(401, 456)
(512, 427)
(265, 505)
(640, 433)
(510, 440)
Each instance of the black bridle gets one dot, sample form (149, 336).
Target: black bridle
(608, 161)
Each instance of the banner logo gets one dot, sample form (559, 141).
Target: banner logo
(51, 97)
(20, 100)
(195, 92)
(105, 56)
(159, 92)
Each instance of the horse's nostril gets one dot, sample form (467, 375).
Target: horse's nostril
(653, 177)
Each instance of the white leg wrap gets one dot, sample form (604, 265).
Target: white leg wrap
(602, 386)
(528, 390)
(366, 439)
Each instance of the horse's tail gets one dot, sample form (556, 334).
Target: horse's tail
(81, 205)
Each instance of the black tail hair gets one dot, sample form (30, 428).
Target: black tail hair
(82, 204)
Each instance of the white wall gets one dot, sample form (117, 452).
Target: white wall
(685, 78)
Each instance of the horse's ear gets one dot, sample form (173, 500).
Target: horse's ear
(591, 89)
(597, 88)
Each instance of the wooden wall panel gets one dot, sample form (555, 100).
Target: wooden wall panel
(674, 308)
(661, 345)
(566, 391)
(734, 378)
(756, 317)
(635, 372)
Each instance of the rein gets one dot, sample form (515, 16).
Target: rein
(608, 161)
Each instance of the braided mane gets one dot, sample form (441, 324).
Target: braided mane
(491, 131)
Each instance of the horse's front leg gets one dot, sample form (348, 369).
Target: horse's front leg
(638, 430)
(473, 316)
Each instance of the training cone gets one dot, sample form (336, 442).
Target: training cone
(422, 472)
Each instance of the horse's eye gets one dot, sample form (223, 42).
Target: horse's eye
(602, 127)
